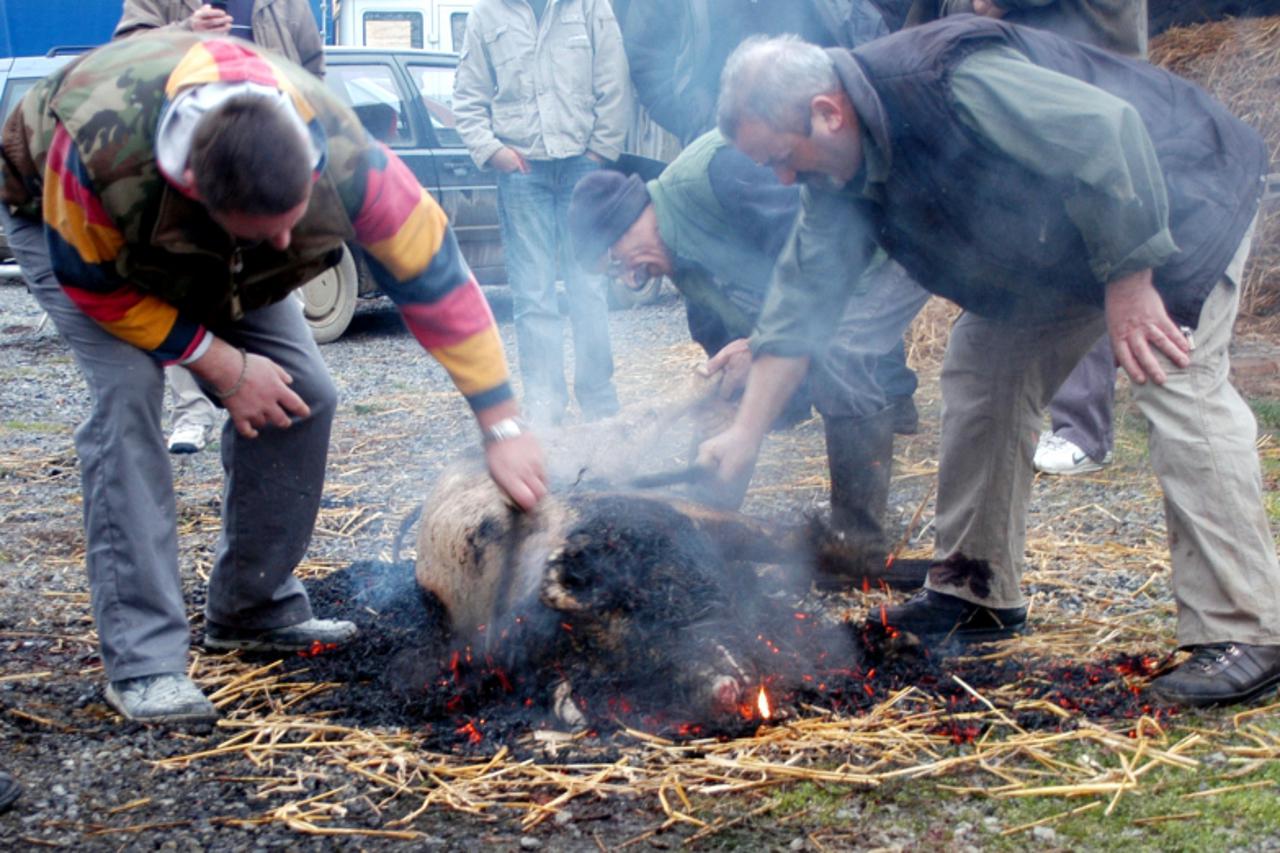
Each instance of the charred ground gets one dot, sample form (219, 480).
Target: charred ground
(1101, 618)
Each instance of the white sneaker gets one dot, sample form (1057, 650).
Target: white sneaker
(1056, 455)
(314, 635)
(169, 697)
(188, 437)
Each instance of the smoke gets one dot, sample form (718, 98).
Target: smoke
(657, 435)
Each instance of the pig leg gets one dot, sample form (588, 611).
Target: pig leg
(565, 709)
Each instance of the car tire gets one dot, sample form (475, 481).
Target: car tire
(329, 299)
(622, 298)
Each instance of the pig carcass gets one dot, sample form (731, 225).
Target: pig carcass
(605, 592)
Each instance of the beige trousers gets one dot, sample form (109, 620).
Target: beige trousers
(996, 380)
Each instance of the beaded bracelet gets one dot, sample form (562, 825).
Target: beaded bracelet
(244, 371)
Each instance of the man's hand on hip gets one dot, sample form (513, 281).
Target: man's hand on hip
(1139, 325)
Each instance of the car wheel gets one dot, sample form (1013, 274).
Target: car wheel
(622, 297)
(329, 299)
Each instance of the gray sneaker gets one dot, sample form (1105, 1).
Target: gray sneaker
(314, 635)
(166, 698)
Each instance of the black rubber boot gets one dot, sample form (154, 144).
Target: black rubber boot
(860, 458)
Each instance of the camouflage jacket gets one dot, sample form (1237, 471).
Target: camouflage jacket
(146, 261)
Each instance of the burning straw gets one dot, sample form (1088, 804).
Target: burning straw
(907, 735)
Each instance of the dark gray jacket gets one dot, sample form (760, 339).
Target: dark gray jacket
(677, 48)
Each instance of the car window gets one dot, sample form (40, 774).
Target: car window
(13, 92)
(392, 29)
(372, 92)
(457, 30)
(435, 85)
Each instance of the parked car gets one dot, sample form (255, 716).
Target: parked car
(404, 98)
(17, 76)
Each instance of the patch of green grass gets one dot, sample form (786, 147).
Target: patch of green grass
(1238, 818)
(936, 818)
(1267, 411)
(368, 408)
(819, 802)
(33, 426)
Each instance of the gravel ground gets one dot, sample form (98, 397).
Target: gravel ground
(89, 778)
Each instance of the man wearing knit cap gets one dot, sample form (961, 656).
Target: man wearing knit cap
(714, 221)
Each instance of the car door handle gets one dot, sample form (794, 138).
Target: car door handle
(459, 170)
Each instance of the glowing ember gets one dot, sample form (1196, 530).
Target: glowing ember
(317, 648)
(762, 704)
(471, 731)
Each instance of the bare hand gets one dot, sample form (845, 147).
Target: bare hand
(987, 8)
(731, 458)
(264, 399)
(260, 388)
(207, 19)
(508, 160)
(1139, 325)
(733, 362)
(516, 465)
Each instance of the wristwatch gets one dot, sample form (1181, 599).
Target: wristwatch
(503, 430)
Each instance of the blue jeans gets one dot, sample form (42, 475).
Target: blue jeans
(533, 209)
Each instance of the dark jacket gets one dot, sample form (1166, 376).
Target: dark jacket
(677, 48)
(1028, 258)
(1118, 25)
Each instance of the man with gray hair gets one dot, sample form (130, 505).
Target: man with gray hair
(1050, 209)
(715, 222)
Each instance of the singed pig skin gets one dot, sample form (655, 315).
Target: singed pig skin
(628, 590)
(636, 591)
(608, 587)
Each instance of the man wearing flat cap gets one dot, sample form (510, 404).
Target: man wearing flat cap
(715, 222)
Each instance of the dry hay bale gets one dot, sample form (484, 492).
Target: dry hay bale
(1238, 61)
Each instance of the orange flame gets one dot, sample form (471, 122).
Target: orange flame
(762, 704)
(471, 731)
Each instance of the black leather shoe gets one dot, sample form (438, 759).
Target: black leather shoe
(10, 790)
(1221, 674)
(904, 574)
(936, 616)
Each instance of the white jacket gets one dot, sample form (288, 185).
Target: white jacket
(550, 89)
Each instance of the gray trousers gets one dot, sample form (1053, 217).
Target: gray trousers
(270, 500)
(843, 380)
(1082, 410)
(996, 380)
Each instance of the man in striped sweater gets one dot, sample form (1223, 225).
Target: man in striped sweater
(164, 195)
